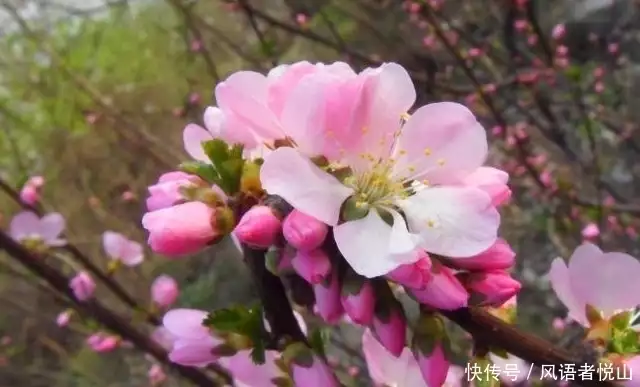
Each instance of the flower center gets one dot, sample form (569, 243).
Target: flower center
(376, 186)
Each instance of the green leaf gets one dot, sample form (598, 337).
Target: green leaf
(227, 320)
(203, 170)
(216, 150)
(317, 340)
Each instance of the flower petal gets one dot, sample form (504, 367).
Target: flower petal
(193, 136)
(440, 142)
(24, 224)
(372, 247)
(245, 93)
(112, 242)
(608, 281)
(303, 185)
(247, 373)
(560, 283)
(193, 353)
(213, 119)
(132, 253)
(386, 369)
(51, 226)
(455, 222)
(186, 323)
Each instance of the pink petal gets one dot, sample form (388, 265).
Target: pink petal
(213, 119)
(303, 185)
(132, 253)
(560, 283)
(51, 226)
(193, 136)
(372, 247)
(186, 323)
(24, 224)
(247, 373)
(193, 353)
(607, 281)
(453, 221)
(303, 115)
(112, 243)
(440, 141)
(389, 93)
(385, 368)
(245, 93)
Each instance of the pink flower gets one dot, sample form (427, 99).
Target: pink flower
(163, 337)
(328, 303)
(388, 369)
(439, 145)
(156, 375)
(30, 192)
(317, 374)
(196, 45)
(433, 366)
(82, 286)
(590, 231)
(120, 248)
(498, 257)
(63, 318)
(606, 281)
(359, 304)
(216, 124)
(443, 291)
(389, 327)
(102, 342)
(164, 291)
(314, 266)
(259, 227)
(558, 31)
(493, 288)
(492, 181)
(27, 226)
(302, 19)
(166, 192)
(194, 343)
(182, 229)
(303, 231)
(416, 275)
(248, 374)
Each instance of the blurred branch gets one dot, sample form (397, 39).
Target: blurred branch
(94, 308)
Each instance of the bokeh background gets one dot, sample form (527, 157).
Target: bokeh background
(94, 96)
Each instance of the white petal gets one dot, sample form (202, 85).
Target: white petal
(302, 184)
(369, 244)
(452, 221)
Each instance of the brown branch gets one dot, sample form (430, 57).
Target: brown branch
(101, 313)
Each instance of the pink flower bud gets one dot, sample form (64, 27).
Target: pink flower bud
(359, 306)
(389, 327)
(493, 288)
(82, 286)
(29, 195)
(558, 32)
(166, 192)
(328, 303)
(156, 375)
(314, 266)
(164, 291)
(497, 257)
(63, 318)
(444, 291)
(302, 19)
(303, 231)
(101, 342)
(309, 370)
(258, 227)
(558, 324)
(433, 366)
(181, 229)
(415, 275)
(196, 45)
(590, 231)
